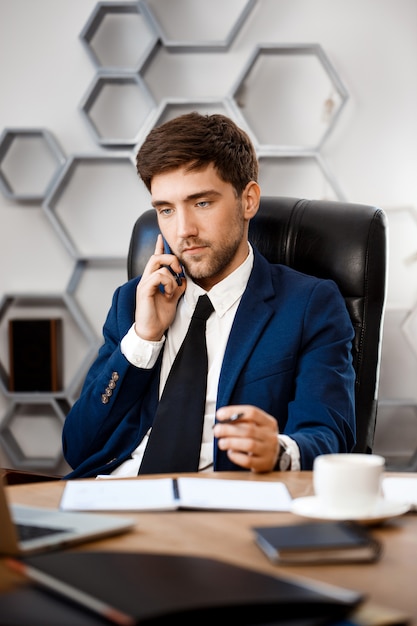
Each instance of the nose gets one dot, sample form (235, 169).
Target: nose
(186, 226)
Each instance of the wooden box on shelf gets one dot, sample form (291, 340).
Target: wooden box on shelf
(35, 355)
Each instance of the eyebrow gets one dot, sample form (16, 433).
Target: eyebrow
(194, 196)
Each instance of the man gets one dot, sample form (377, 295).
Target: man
(278, 341)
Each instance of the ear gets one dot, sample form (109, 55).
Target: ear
(251, 197)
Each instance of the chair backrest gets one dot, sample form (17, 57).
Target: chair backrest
(343, 241)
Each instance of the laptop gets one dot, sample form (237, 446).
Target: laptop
(27, 530)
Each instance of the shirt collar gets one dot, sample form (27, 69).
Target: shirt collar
(225, 293)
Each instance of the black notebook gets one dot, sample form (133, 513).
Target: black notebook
(144, 589)
(317, 542)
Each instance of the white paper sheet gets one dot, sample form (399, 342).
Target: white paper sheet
(212, 493)
(401, 489)
(118, 495)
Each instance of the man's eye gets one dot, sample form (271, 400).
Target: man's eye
(166, 211)
(203, 203)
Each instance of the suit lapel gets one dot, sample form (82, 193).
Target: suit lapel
(252, 315)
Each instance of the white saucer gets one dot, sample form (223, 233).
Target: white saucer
(384, 509)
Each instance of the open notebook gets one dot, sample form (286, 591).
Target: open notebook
(26, 530)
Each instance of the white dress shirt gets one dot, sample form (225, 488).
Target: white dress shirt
(225, 297)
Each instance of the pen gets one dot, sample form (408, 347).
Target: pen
(233, 418)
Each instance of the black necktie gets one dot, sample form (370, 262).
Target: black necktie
(175, 440)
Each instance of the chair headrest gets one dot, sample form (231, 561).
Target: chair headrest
(329, 239)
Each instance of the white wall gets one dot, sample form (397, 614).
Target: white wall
(372, 151)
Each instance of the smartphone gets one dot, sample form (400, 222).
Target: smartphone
(178, 277)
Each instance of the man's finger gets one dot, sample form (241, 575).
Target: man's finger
(159, 246)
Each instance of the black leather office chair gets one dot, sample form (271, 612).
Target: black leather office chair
(330, 239)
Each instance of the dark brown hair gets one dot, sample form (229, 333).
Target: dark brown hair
(195, 141)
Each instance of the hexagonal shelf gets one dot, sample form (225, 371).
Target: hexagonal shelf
(101, 278)
(29, 160)
(94, 204)
(31, 433)
(118, 36)
(197, 24)
(79, 341)
(116, 107)
(169, 108)
(305, 175)
(290, 96)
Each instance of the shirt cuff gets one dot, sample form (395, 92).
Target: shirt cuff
(138, 351)
(293, 450)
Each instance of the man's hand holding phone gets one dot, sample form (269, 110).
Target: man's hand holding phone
(157, 294)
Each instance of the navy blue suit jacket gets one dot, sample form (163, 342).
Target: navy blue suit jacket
(289, 353)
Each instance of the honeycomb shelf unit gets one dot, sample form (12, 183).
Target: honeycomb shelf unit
(118, 36)
(30, 159)
(30, 420)
(79, 194)
(115, 108)
(46, 407)
(85, 203)
(260, 101)
(201, 30)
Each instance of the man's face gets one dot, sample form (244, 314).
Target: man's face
(203, 222)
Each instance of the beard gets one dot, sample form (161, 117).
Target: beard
(218, 255)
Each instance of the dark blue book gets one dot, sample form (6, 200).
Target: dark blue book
(318, 542)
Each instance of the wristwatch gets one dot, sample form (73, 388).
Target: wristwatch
(284, 458)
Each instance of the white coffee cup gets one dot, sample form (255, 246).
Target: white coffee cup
(348, 485)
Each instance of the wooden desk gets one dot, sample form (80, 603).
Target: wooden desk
(390, 583)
